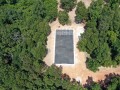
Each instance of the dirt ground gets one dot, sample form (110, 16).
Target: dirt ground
(78, 70)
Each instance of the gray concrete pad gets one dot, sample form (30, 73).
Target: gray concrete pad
(64, 51)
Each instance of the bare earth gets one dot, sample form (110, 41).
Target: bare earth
(78, 70)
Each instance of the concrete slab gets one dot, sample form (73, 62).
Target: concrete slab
(64, 50)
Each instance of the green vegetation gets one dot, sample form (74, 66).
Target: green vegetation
(68, 5)
(102, 35)
(81, 12)
(110, 83)
(24, 27)
(114, 83)
(95, 86)
(50, 7)
(23, 34)
(63, 17)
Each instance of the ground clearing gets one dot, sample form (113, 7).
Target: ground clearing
(78, 70)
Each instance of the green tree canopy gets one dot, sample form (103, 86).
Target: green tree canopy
(81, 12)
(101, 37)
(68, 5)
(63, 17)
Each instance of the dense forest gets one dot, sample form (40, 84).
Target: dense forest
(24, 27)
(102, 35)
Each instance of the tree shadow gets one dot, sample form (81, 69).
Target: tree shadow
(89, 81)
(104, 83)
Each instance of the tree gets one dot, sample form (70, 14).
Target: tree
(116, 21)
(51, 9)
(63, 17)
(39, 9)
(101, 37)
(81, 12)
(92, 64)
(68, 5)
(2, 2)
(89, 40)
(112, 37)
(95, 86)
(106, 18)
(95, 9)
(117, 59)
(11, 1)
(114, 84)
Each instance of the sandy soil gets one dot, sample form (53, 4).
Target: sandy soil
(78, 70)
(86, 2)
